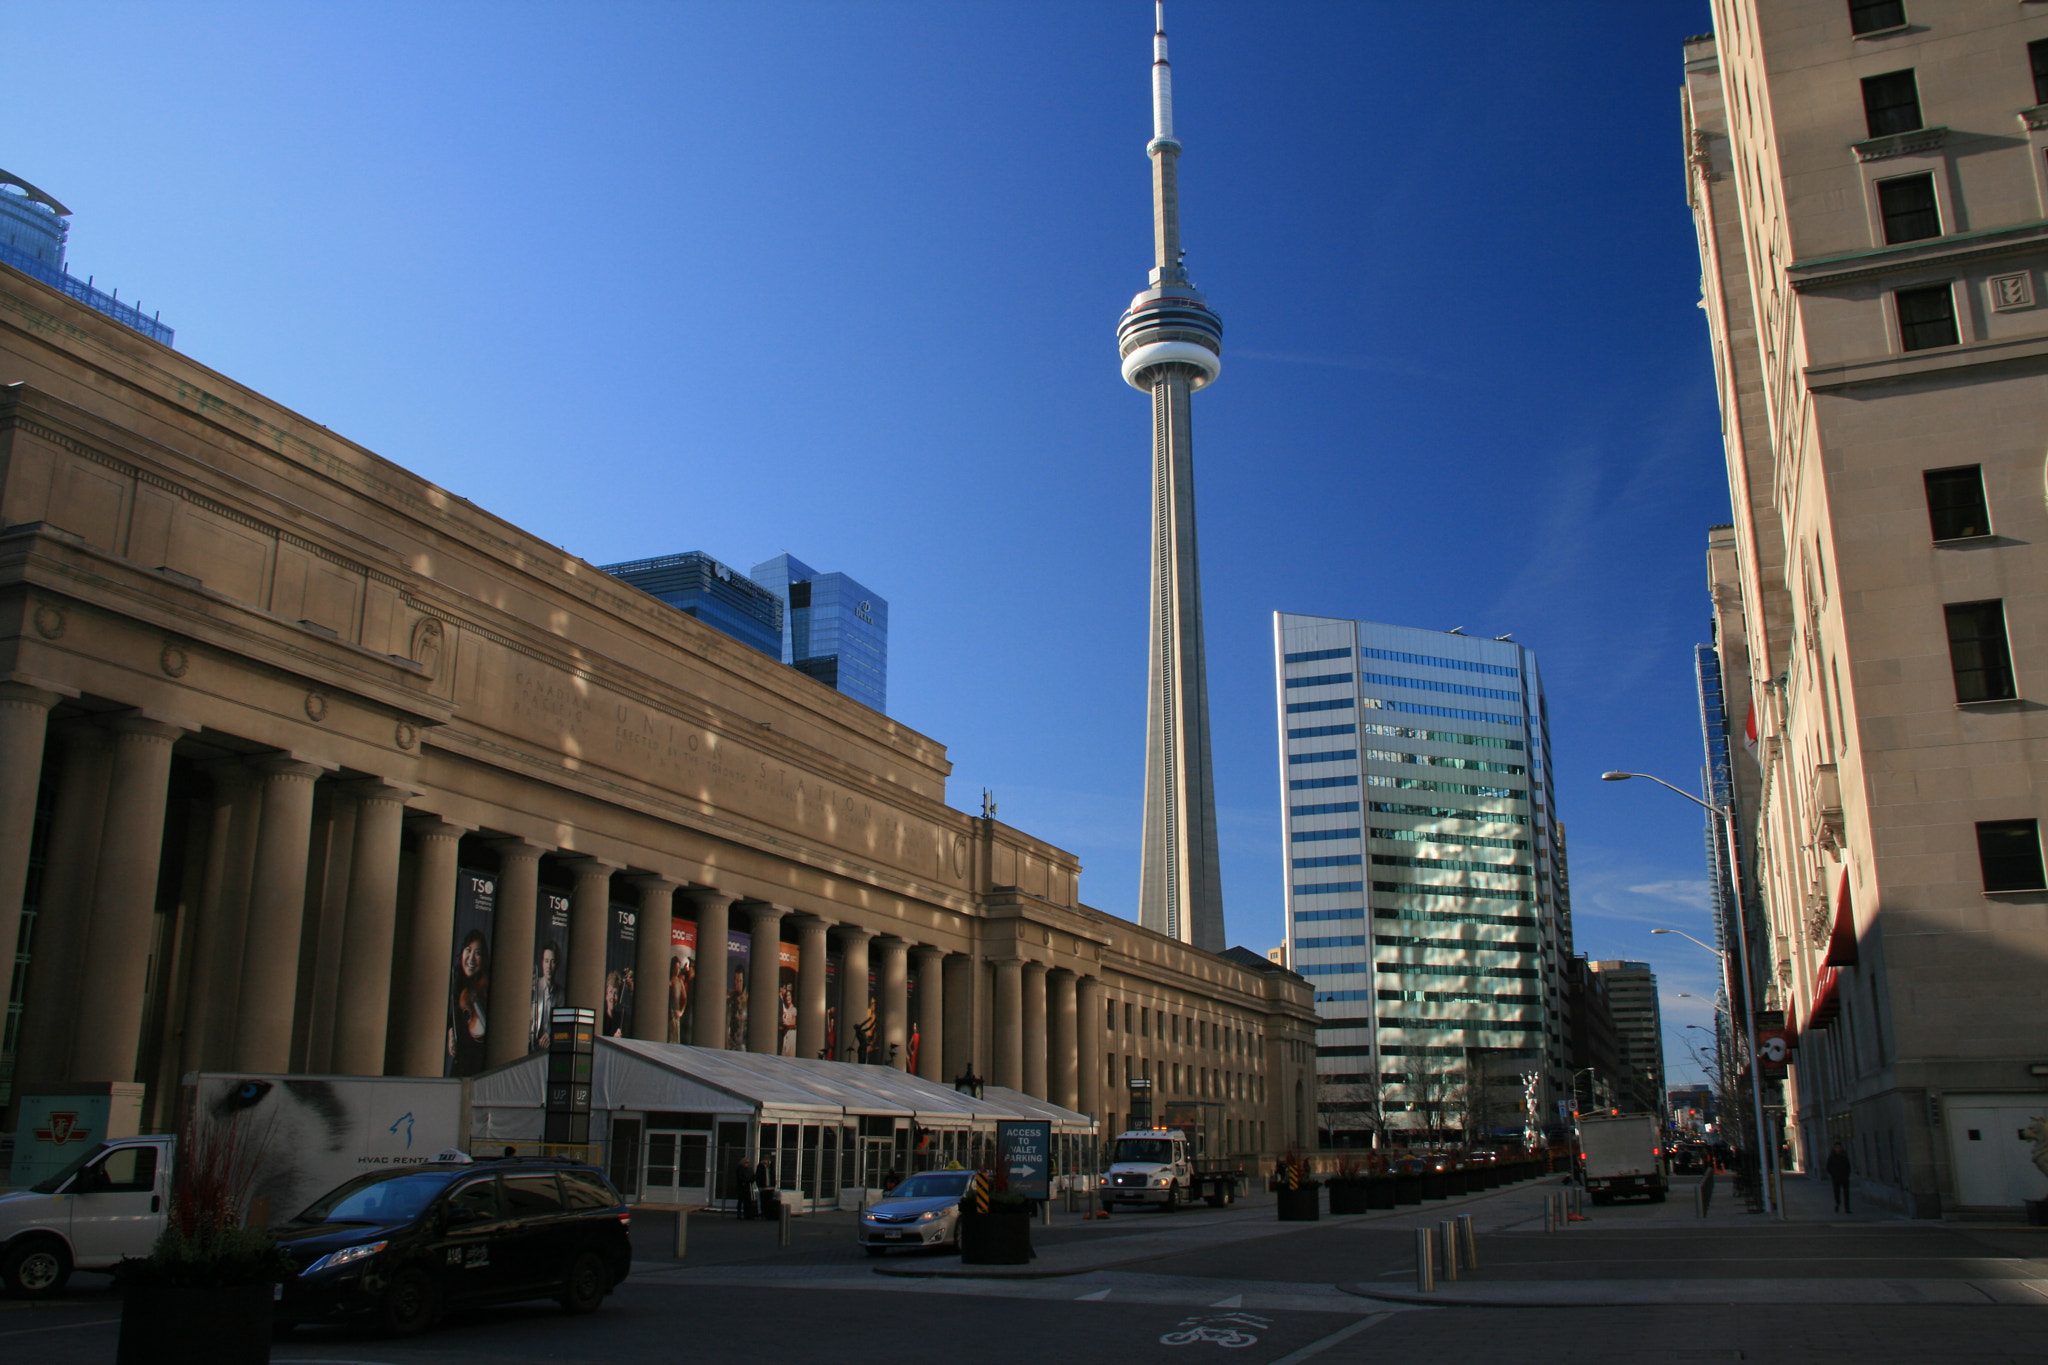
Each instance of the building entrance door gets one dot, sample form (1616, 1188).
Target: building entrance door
(877, 1158)
(678, 1168)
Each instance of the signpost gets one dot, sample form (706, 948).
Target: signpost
(1024, 1147)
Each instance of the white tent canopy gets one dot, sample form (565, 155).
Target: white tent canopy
(631, 1075)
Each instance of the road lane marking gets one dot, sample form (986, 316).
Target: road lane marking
(1315, 1348)
(59, 1327)
(1097, 1297)
(1234, 1301)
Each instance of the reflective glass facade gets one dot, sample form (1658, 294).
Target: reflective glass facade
(1484, 874)
(833, 629)
(697, 585)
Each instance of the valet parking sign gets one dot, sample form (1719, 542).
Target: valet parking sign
(1025, 1149)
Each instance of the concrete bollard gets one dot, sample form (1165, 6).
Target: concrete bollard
(1447, 1233)
(1045, 1212)
(782, 1232)
(682, 1233)
(1425, 1262)
(1468, 1241)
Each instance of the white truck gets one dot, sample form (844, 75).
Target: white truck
(1623, 1154)
(310, 1133)
(1148, 1166)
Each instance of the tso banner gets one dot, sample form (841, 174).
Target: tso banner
(621, 943)
(550, 967)
(469, 976)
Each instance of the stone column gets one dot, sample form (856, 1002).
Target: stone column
(958, 971)
(423, 1042)
(1006, 1054)
(1088, 1005)
(651, 958)
(853, 990)
(116, 961)
(1034, 1030)
(590, 922)
(24, 719)
(764, 974)
(811, 949)
(714, 920)
(235, 810)
(64, 913)
(511, 993)
(931, 1011)
(1063, 1039)
(362, 1004)
(893, 1005)
(277, 915)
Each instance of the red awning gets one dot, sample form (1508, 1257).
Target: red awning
(1827, 1000)
(1842, 939)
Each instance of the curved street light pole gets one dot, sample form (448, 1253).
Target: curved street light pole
(1767, 1151)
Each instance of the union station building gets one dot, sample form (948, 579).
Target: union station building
(310, 766)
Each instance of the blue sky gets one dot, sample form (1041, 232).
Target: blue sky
(842, 279)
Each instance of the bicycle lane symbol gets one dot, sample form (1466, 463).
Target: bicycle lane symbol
(1222, 1329)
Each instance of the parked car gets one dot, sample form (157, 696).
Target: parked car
(402, 1246)
(922, 1211)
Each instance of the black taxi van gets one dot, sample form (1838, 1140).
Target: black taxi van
(400, 1246)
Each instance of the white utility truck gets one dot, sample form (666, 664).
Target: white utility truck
(309, 1134)
(1623, 1154)
(1148, 1166)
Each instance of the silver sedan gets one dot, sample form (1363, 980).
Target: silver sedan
(922, 1211)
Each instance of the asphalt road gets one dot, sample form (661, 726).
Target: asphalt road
(1270, 1301)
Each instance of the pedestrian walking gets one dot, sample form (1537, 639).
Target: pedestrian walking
(1838, 1172)
(764, 1182)
(743, 1188)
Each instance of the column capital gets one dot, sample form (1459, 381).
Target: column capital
(430, 826)
(654, 882)
(927, 952)
(805, 922)
(889, 943)
(135, 723)
(586, 866)
(1061, 974)
(281, 765)
(763, 911)
(705, 894)
(377, 789)
(1032, 964)
(233, 771)
(513, 846)
(854, 932)
(27, 694)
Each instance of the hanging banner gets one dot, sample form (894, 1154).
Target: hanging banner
(910, 1039)
(834, 1049)
(785, 999)
(469, 977)
(738, 953)
(550, 967)
(682, 977)
(621, 945)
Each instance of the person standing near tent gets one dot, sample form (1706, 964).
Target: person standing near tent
(743, 1188)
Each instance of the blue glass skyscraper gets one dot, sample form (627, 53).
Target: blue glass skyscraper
(833, 629)
(698, 585)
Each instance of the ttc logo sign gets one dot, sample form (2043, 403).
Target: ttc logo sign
(64, 1127)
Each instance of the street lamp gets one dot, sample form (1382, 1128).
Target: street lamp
(1767, 1151)
(1591, 1093)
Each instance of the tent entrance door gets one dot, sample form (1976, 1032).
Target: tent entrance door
(678, 1168)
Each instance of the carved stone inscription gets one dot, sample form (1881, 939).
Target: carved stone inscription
(588, 726)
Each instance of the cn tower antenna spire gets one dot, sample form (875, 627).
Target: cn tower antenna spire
(1171, 343)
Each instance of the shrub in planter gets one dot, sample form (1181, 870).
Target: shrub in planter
(203, 1295)
(995, 1225)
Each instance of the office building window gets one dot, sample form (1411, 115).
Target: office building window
(1955, 502)
(2037, 54)
(1891, 103)
(1977, 651)
(1927, 317)
(1309, 656)
(1908, 208)
(1875, 16)
(1317, 836)
(2010, 853)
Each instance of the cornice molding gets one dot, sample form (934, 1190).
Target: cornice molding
(1941, 252)
(1899, 144)
(1893, 369)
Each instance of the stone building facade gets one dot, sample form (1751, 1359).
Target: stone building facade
(271, 704)
(1871, 196)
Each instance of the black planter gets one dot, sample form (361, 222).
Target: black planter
(1433, 1186)
(1348, 1196)
(2037, 1212)
(1379, 1192)
(1299, 1206)
(1456, 1182)
(998, 1237)
(1407, 1188)
(167, 1326)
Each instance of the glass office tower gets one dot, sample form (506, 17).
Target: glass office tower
(698, 585)
(1426, 895)
(833, 629)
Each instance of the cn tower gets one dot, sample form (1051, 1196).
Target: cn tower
(1172, 344)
